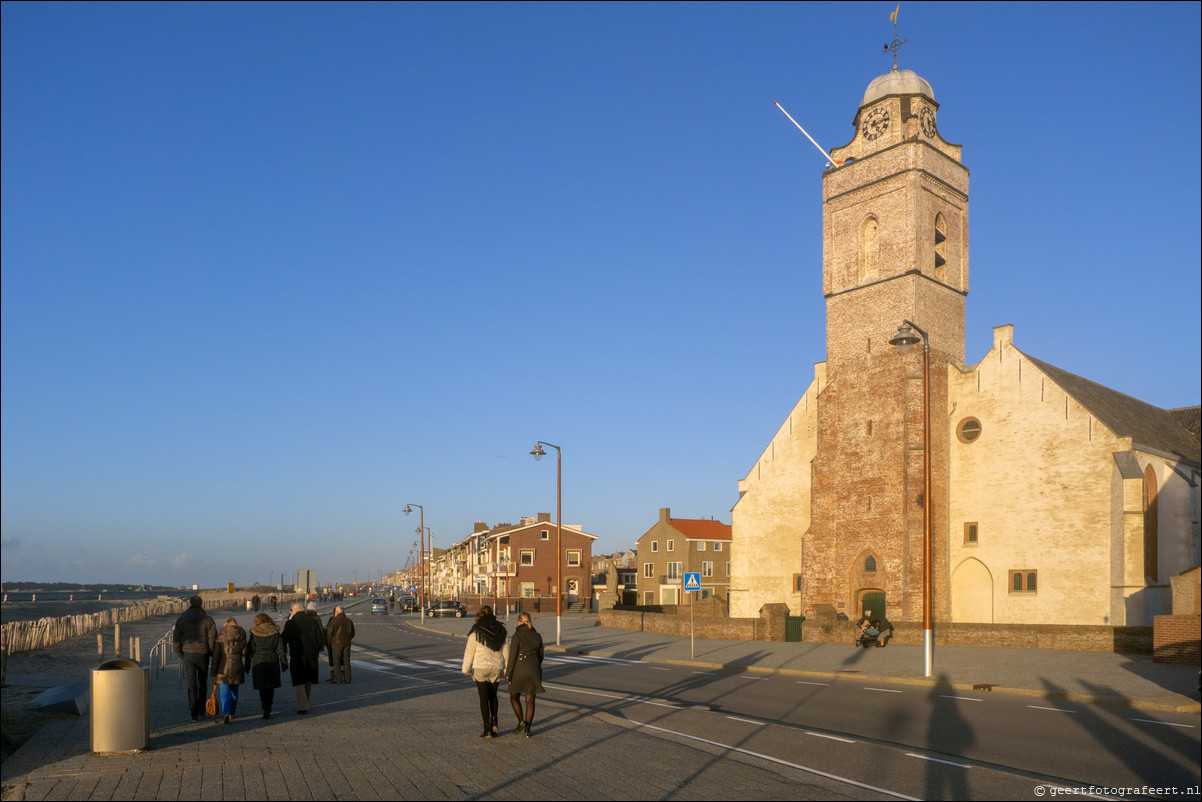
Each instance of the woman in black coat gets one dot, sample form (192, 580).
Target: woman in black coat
(524, 671)
(265, 658)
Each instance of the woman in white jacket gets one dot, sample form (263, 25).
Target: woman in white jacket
(484, 661)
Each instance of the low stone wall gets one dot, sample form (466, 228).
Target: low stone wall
(705, 627)
(1126, 640)
(1177, 639)
(770, 626)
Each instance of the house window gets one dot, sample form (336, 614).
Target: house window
(797, 583)
(674, 570)
(1024, 581)
(671, 545)
(870, 565)
(728, 569)
(970, 534)
(717, 547)
(527, 556)
(649, 597)
(648, 570)
(668, 595)
(573, 559)
(707, 568)
(654, 546)
(701, 546)
(544, 535)
(968, 430)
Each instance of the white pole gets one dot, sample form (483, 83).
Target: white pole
(825, 155)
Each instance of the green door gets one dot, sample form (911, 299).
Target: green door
(873, 600)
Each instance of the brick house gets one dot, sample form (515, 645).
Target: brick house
(520, 558)
(675, 546)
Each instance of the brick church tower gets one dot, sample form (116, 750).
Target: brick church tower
(895, 248)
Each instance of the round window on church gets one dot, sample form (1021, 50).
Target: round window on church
(968, 430)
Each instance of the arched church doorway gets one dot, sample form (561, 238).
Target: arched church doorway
(872, 599)
(972, 593)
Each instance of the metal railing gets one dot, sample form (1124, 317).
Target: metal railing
(160, 656)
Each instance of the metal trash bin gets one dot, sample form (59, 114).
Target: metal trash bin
(120, 707)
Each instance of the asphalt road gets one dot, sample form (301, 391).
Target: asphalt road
(892, 739)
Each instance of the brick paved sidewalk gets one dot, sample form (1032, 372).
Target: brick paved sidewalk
(385, 738)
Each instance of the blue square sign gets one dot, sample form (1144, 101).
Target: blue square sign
(692, 581)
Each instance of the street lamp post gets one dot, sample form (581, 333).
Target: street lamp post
(421, 554)
(428, 563)
(538, 454)
(904, 340)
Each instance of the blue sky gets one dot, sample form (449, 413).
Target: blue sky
(271, 272)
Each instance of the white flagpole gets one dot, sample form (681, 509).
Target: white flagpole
(825, 155)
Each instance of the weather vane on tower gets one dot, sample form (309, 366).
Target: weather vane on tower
(896, 42)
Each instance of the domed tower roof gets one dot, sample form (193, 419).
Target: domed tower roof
(897, 82)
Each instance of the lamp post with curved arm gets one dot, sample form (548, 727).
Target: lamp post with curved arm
(538, 454)
(904, 340)
(421, 554)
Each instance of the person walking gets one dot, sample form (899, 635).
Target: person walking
(305, 638)
(227, 668)
(194, 639)
(265, 658)
(524, 671)
(339, 634)
(484, 660)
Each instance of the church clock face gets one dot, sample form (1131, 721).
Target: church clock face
(875, 124)
(927, 118)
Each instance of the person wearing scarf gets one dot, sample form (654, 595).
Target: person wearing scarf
(484, 661)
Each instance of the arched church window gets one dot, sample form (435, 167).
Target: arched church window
(1151, 525)
(940, 247)
(870, 249)
(870, 565)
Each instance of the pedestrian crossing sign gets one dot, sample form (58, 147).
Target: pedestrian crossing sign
(692, 581)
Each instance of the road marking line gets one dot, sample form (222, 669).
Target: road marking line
(803, 682)
(639, 699)
(744, 676)
(883, 690)
(1053, 709)
(963, 698)
(937, 760)
(1166, 723)
(831, 737)
(779, 761)
(746, 720)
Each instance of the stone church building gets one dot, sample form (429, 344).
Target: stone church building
(1053, 499)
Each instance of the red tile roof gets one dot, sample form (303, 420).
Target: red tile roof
(701, 529)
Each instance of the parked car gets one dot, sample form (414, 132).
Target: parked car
(446, 608)
(408, 604)
(379, 606)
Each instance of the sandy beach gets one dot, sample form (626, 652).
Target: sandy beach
(32, 611)
(30, 673)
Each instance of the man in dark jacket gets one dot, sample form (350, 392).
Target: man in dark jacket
(194, 640)
(339, 633)
(305, 638)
